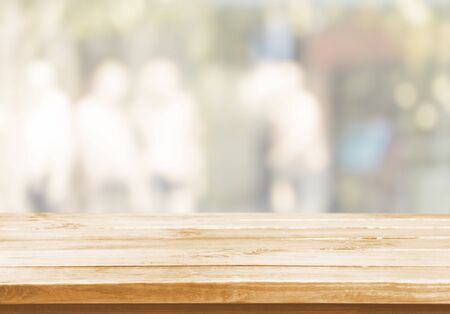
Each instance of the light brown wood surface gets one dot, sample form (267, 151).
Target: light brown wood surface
(225, 309)
(224, 259)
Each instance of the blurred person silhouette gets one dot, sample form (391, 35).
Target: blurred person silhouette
(168, 129)
(109, 160)
(297, 155)
(48, 139)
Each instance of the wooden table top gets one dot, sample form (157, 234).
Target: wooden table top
(224, 258)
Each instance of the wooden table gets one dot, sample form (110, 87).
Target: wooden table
(224, 263)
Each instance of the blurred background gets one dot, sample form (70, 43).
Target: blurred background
(225, 106)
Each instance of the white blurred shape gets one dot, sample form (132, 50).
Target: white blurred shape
(417, 12)
(108, 152)
(426, 117)
(167, 122)
(48, 138)
(441, 90)
(298, 155)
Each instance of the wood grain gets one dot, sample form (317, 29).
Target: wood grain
(224, 258)
(224, 309)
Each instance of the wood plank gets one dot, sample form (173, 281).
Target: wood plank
(226, 293)
(229, 244)
(119, 223)
(260, 256)
(222, 274)
(225, 309)
(222, 233)
(54, 221)
(246, 226)
(218, 258)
